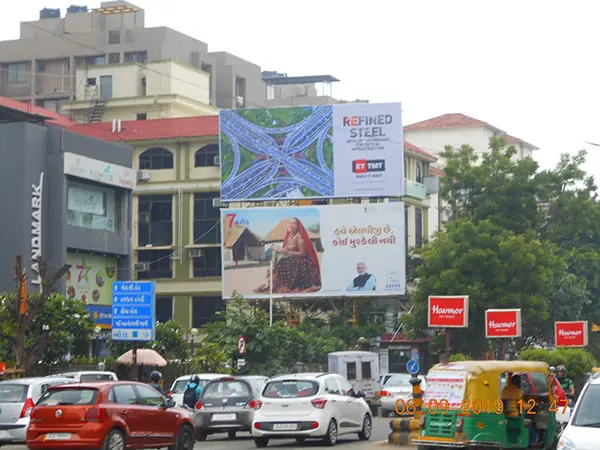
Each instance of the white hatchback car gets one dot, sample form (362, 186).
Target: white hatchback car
(583, 429)
(310, 406)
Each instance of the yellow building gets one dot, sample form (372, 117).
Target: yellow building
(133, 91)
(176, 230)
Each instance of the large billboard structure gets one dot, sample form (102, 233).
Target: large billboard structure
(327, 151)
(314, 251)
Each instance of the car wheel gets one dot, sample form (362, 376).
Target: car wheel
(231, 434)
(330, 438)
(114, 440)
(201, 435)
(367, 428)
(185, 439)
(261, 442)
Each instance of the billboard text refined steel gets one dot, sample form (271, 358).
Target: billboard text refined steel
(314, 251)
(327, 151)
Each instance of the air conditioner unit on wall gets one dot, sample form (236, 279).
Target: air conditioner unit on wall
(216, 160)
(216, 202)
(142, 267)
(144, 175)
(196, 253)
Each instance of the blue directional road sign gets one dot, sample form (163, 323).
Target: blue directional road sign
(133, 311)
(412, 366)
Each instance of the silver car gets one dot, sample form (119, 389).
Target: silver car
(17, 399)
(397, 389)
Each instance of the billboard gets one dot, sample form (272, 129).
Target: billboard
(90, 280)
(571, 334)
(315, 251)
(327, 151)
(502, 323)
(448, 311)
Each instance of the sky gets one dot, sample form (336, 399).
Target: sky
(529, 67)
(262, 221)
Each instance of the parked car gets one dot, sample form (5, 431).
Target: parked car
(17, 399)
(310, 406)
(257, 382)
(583, 429)
(87, 376)
(397, 388)
(178, 387)
(226, 405)
(108, 415)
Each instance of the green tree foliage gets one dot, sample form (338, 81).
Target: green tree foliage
(58, 326)
(578, 362)
(520, 237)
(170, 342)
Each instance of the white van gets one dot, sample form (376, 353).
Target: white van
(87, 376)
(360, 368)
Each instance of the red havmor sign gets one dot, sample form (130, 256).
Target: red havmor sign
(502, 323)
(448, 311)
(571, 334)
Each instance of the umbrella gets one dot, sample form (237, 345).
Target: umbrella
(145, 357)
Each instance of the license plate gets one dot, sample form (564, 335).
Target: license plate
(3, 434)
(285, 426)
(223, 417)
(57, 437)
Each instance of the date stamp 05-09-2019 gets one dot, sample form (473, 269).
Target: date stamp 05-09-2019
(476, 407)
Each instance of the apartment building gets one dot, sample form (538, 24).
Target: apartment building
(40, 67)
(176, 230)
(134, 91)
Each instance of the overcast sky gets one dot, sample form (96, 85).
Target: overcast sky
(531, 68)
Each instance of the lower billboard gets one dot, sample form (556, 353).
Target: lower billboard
(314, 251)
(90, 280)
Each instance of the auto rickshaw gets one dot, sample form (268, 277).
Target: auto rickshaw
(463, 408)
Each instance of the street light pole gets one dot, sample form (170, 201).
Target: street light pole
(193, 334)
(97, 332)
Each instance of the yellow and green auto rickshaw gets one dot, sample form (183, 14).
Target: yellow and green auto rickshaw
(469, 404)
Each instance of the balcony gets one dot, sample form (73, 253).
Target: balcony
(415, 190)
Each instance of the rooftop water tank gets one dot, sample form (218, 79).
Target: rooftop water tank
(50, 13)
(74, 9)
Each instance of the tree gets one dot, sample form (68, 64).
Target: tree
(496, 268)
(170, 342)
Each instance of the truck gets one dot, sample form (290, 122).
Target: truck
(361, 369)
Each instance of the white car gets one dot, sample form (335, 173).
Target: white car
(310, 406)
(178, 387)
(88, 376)
(583, 430)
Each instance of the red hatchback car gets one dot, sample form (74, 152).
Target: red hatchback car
(108, 416)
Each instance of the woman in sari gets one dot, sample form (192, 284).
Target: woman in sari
(297, 267)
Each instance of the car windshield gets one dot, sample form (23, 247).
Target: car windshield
(398, 381)
(69, 396)
(235, 388)
(291, 389)
(13, 393)
(95, 377)
(179, 386)
(588, 408)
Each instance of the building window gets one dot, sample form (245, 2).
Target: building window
(93, 207)
(205, 157)
(156, 158)
(17, 73)
(164, 309)
(418, 227)
(114, 37)
(240, 92)
(155, 220)
(159, 262)
(209, 264)
(419, 177)
(95, 60)
(136, 57)
(205, 309)
(114, 58)
(142, 116)
(206, 219)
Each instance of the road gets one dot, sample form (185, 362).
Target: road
(381, 429)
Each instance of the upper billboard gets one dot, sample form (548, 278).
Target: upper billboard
(317, 251)
(328, 151)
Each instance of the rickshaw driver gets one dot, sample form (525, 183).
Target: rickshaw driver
(511, 394)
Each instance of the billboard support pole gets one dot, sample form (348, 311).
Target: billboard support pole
(503, 353)
(447, 345)
(271, 293)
